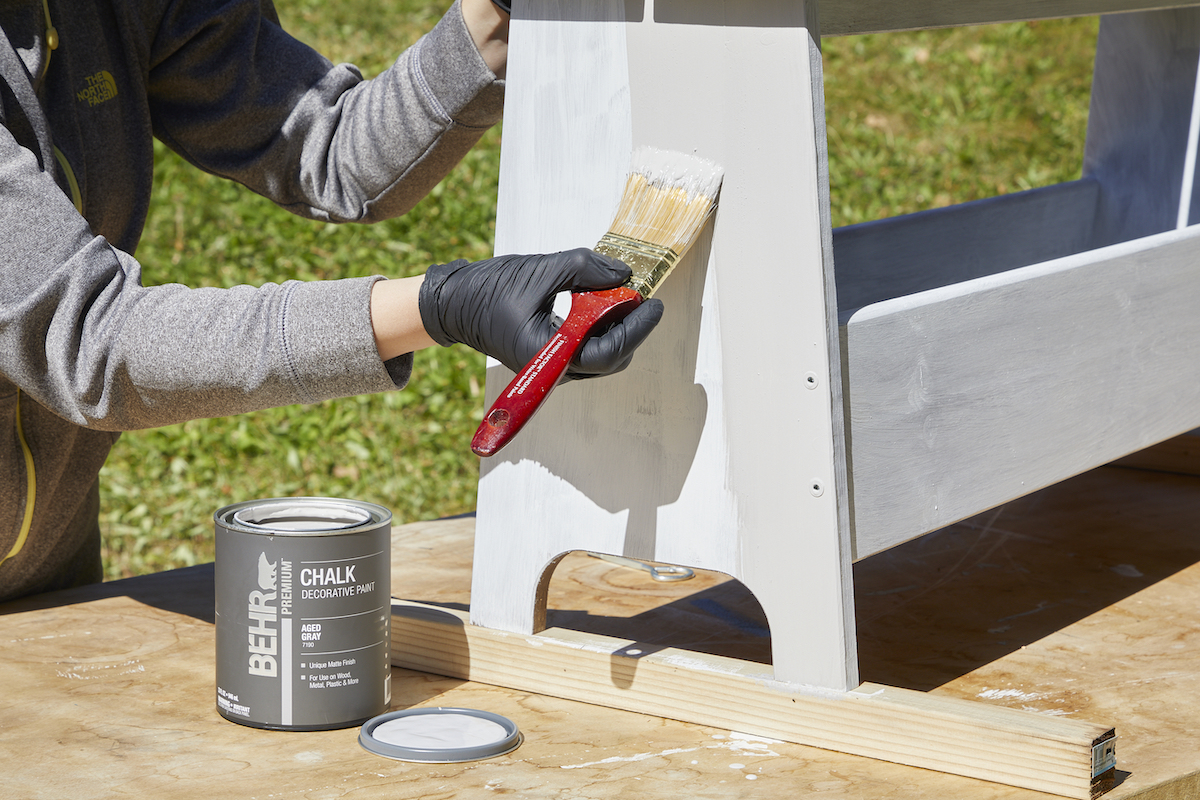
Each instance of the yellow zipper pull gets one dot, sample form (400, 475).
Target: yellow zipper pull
(30, 487)
(76, 195)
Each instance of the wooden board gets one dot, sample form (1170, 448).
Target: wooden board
(898, 256)
(1142, 91)
(694, 454)
(965, 397)
(1078, 602)
(1073, 602)
(961, 737)
(843, 17)
(997, 347)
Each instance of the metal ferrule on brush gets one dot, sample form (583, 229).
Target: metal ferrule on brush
(650, 263)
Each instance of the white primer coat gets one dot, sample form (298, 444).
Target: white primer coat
(694, 454)
(439, 731)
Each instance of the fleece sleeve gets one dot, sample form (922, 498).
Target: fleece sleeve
(82, 335)
(239, 97)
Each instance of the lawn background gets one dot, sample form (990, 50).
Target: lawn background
(915, 120)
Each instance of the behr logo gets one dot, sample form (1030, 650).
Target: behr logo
(266, 574)
(263, 616)
(101, 87)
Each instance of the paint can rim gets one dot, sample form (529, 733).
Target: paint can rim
(302, 516)
(507, 743)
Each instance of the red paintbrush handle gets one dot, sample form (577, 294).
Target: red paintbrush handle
(526, 393)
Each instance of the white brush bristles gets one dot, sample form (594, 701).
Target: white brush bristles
(668, 196)
(667, 169)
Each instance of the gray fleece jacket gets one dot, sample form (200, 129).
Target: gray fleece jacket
(85, 349)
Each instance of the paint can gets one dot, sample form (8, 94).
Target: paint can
(303, 612)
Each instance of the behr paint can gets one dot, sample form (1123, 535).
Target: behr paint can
(303, 612)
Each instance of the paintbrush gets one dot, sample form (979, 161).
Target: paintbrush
(667, 199)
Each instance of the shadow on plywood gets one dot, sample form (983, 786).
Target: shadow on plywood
(936, 608)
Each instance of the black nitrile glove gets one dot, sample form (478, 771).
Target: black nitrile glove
(503, 307)
(504, 5)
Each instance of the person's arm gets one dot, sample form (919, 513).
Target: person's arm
(489, 29)
(238, 97)
(396, 319)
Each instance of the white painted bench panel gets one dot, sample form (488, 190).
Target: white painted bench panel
(987, 350)
(706, 450)
(967, 396)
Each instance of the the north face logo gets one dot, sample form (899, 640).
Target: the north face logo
(101, 87)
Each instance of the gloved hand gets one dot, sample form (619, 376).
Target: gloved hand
(503, 307)
(504, 5)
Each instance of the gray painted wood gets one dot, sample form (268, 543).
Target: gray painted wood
(842, 18)
(988, 350)
(845, 18)
(967, 396)
(722, 446)
(1138, 121)
(903, 255)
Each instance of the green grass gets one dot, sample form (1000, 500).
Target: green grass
(921, 120)
(915, 121)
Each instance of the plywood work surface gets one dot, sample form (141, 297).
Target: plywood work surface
(1077, 601)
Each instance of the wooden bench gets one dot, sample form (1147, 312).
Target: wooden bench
(816, 396)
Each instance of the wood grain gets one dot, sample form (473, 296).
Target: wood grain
(1072, 602)
(961, 737)
(1078, 602)
(695, 454)
(1026, 346)
(965, 397)
(989, 350)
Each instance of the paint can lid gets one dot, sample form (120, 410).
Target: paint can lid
(440, 735)
(301, 516)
